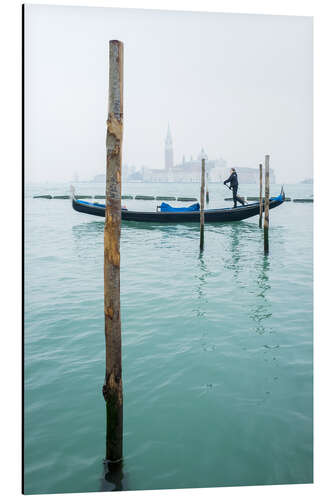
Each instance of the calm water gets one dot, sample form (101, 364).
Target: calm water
(217, 349)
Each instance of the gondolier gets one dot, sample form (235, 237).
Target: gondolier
(233, 179)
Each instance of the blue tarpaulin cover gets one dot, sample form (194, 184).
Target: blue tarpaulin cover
(165, 207)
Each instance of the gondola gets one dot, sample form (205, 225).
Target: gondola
(211, 215)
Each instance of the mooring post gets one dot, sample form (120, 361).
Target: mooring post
(260, 195)
(112, 388)
(266, 220)
(202, 205)
(207, 192)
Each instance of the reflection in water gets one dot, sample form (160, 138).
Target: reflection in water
(235, 248)
(92, 232)
(261, 314)
(240, 234)
(156, 226)
(201, 303)
(88, 228)
(88, 235)
(201, 278)
(262, 310)
(113, 477)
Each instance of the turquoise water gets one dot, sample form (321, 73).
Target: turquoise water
(217, 348)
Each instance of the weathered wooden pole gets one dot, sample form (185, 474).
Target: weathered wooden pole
(207, 191)
(112, 389)
(260, 195)
(266, 220)
(202, 205)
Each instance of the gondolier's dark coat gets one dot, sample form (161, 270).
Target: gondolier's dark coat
(233, 179)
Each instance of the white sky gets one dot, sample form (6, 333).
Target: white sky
(238, 85)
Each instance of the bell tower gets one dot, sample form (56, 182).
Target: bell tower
(168, 157)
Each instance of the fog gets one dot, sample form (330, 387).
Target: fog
(238, 85)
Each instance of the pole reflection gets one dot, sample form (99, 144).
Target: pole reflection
(235, 249)
(262, 310)
(201, 282)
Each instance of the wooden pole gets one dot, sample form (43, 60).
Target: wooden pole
(260, 195)
(266, 220)
(112, 389)
(202, 205)
(207, 191)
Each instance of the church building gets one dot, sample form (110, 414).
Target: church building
(190, 170)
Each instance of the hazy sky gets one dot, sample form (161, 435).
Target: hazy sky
(238, 85)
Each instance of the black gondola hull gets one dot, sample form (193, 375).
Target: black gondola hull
(211, 216)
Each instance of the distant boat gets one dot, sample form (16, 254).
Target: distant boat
(211, 215)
